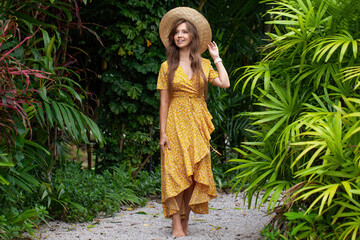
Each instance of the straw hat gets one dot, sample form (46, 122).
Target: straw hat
(197, 19)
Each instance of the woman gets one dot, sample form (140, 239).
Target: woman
(185, 124)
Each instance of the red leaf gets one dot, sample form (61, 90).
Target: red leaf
(10, 51)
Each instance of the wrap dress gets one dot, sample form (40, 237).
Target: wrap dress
(188, 128)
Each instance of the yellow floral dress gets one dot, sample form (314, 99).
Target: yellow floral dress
(188, 129)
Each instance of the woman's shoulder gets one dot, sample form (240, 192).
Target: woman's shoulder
(164, 64)
(205, 61)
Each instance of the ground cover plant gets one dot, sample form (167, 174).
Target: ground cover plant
(306, 151)
(82, 195)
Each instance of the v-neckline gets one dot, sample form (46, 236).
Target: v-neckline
(185, 73)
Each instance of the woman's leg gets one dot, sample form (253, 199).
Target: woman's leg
(177, 230)
(187, 196)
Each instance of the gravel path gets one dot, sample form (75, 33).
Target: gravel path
(228, 218)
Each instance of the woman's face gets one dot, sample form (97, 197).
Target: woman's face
(182, 36)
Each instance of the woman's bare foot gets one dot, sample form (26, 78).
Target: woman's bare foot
(184, 223)
(177, 230)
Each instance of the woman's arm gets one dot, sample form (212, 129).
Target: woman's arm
(223, 79)
(164, 108)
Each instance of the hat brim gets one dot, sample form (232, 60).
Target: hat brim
(197, 19)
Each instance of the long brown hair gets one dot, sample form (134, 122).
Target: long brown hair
(173, 55)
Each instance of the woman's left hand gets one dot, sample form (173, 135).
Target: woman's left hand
(213, 50)
(223, 79)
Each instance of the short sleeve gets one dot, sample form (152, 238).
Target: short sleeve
(212, 73)
(162, 78)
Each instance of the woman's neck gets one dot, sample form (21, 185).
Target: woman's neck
(184, 55)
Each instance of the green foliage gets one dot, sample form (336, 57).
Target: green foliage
(77, 194)
(36, 81)
(134, 140)
(270, 233)
(306, 226)
(148, 184)
(24, 221)
(19, 209)
(41, 107)
(86, 194)
(222, 179)
(238, 29)
(128, 67)
(48, 68)
(129, 62)
(306, 135)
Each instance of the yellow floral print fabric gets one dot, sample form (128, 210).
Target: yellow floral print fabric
(188, 129)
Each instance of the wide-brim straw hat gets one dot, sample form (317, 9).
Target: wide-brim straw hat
(196, 18)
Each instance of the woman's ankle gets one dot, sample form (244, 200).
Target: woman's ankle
(185, 226)
(177, 229)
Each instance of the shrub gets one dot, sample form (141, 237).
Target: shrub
(86, 194)
(307, 122)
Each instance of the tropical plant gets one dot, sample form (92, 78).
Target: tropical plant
(14, 100)
(41, 105)
(42, 64)
(307, 120)
(19, 188)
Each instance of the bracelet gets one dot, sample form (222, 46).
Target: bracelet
(217, 60)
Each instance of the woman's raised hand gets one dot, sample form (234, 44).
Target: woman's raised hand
(213, 50)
